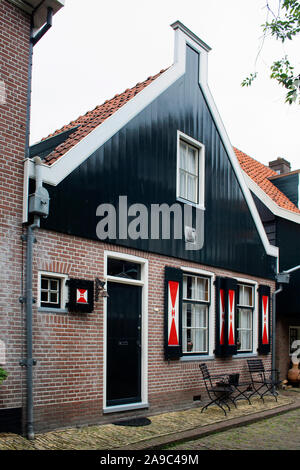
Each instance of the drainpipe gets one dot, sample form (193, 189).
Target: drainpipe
(29, 362)
(274, 331)
(38, 207)
(34, 38)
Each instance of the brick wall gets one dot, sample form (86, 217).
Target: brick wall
(14, 54)
(69, 347)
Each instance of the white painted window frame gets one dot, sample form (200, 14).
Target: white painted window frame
(199, 302)
(144, 349)
(211, 315)
(200, 169)
(255, 325)
(247, 307)
(64, 291)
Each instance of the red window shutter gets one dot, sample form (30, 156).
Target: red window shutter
(226, 294)
(264, 296)
(173, 312)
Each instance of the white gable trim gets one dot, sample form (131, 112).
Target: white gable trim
(54, 174)
(57, 172)
(269, 203)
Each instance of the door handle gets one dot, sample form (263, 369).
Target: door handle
(123, 343)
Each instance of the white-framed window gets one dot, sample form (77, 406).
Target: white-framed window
(195, 314)
(52, 291)
(244, 318)
(190, 170)
(294, 335)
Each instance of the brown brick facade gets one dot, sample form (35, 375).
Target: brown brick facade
(69, 347)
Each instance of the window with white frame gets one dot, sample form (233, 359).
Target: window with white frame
(190, 170)
(244, 318)
(52, 291)
(195, 312)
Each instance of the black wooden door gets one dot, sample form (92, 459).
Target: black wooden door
(123, 344)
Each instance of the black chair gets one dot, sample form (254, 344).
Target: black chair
(218, 389)
(261, 379)
(241, 389)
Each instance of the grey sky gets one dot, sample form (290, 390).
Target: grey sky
(96, 49)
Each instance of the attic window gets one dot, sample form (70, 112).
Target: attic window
(190, 171)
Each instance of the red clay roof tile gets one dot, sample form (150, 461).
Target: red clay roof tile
(94, 118)
(260, 174)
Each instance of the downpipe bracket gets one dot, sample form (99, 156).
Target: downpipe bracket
(23, 300)
(24, 238)
(28, 362)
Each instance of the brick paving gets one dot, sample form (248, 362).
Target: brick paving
(164, 428)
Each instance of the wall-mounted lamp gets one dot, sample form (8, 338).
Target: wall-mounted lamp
(100, 289)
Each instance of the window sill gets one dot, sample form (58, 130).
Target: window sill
(191, 203)
(119, 408)
(197, 358)
(249, 354)
(52, 310)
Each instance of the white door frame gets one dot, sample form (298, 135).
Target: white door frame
(144, 349)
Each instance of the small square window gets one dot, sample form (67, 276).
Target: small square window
(52, 291)
(245, 297)
(196, 288)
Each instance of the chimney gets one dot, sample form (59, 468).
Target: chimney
(281, 166)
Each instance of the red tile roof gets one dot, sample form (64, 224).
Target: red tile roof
(92, 119)
(260, 173)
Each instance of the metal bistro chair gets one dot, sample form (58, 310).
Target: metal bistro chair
(218, 391)
(261, 381)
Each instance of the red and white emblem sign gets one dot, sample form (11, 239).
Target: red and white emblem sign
(173, 313)
(82, 296)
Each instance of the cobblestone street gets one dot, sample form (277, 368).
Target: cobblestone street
(277, 433)
(181, 425)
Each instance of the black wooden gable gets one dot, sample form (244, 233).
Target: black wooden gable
(139, 162)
